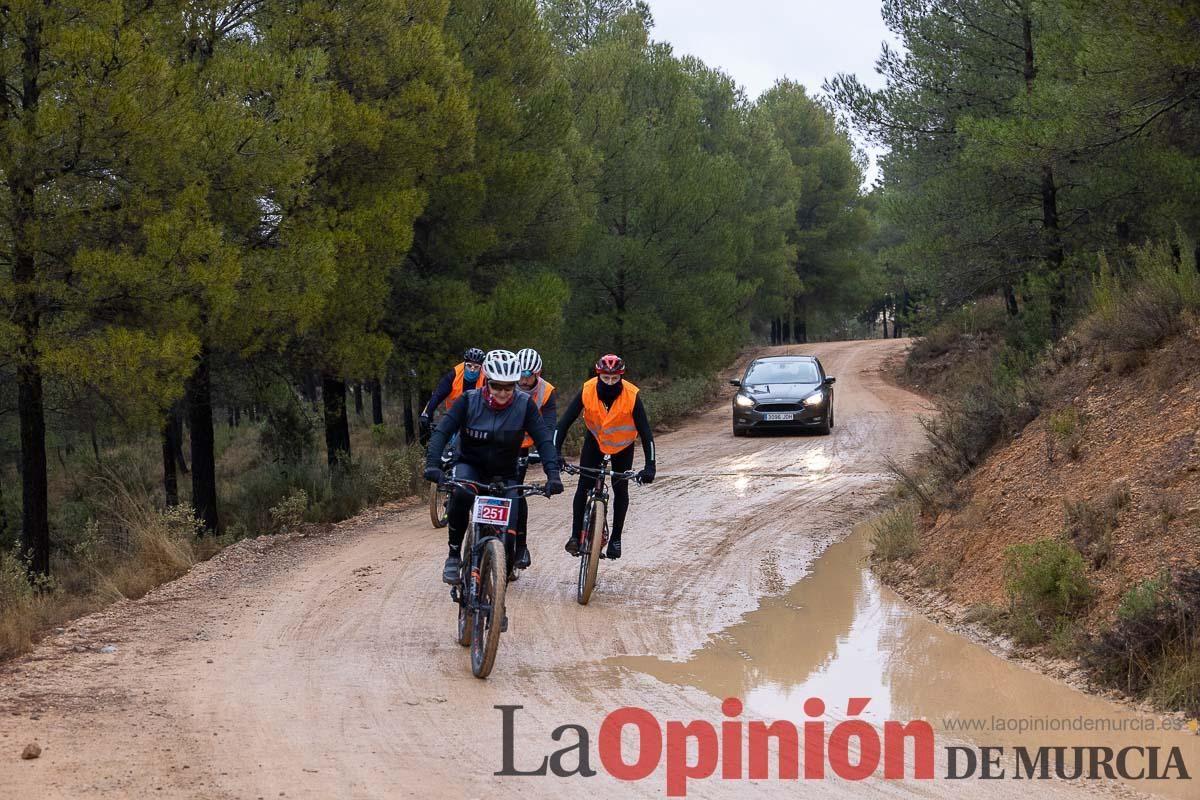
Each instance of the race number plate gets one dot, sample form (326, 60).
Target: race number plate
(778, 417)
(493, 510)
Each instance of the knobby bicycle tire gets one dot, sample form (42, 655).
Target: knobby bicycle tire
(589, 554)
(489, 612)
(437, 507)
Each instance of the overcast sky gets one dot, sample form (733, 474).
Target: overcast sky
(756, 42)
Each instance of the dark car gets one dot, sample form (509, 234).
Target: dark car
(786, 392)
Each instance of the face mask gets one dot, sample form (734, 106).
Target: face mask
(471, 376)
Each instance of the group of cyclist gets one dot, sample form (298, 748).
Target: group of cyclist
(498, 406)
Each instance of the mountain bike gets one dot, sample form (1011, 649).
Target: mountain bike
(483, 577)
(439, 498)
(594, 535)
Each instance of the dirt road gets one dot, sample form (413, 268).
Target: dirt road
(324, 666)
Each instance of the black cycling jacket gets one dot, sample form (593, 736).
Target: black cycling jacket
(491, 440)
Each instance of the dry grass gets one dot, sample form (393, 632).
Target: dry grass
(125, 553)
(894, 535)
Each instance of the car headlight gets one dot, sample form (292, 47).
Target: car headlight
(814, 400)
(742, 401)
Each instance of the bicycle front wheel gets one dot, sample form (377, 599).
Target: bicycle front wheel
(589, 554)
(437, 506)
(489, 608)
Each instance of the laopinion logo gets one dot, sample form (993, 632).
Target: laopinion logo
(851, 750)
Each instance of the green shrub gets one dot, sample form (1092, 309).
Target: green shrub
(1154, 649)
(671, 402)
(288, 431)
(1143, 598)
(983, 317)
(289, 512)
(1142, 311)
(1064, 421)
(396, 474)
(17, 619)
(248, 498)
(1045, 581)
(388, 436)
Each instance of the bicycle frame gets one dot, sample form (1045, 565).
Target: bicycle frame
(483, 577)
(594, 537)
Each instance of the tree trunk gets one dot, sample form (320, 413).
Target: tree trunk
(1010, 301)
(337, 427)
(170, 482)
(3, 512)
(800, 327)
(358, 399)
(35, 516)
(175, 417)
(883, 315)
(376, 402)
(410, 433)
(204, 462)
(22, 214)
(309, 388)
(1054, 253)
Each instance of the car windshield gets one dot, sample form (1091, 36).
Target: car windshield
(783, 372)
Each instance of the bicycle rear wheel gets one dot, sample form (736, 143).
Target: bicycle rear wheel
(467, 590)
(589, 554)
(489, 608)
(437, 506)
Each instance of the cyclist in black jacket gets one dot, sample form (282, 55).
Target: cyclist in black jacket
(491, 423)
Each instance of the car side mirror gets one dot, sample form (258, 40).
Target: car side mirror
(829, 381)
(736, 383)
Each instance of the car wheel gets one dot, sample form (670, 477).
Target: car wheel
(825, 426)
(739, 431)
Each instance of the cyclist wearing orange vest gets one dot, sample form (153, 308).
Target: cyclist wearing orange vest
(542, 393)
(615, 418)
(467, 375)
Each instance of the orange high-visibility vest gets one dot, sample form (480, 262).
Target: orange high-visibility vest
(613, 428)
(540, 396)
(456, 388)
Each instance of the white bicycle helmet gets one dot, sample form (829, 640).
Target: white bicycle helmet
(501, 366)
(529, 361)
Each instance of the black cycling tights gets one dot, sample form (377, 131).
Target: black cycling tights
(592, 457)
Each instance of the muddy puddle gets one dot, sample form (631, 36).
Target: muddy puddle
(838, 633)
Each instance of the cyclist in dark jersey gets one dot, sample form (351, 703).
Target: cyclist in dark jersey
(491, 423)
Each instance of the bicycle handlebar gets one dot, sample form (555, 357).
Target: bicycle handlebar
(497, 489)
(574, 469)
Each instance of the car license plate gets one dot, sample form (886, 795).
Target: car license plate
(778, 417)
(492, 510)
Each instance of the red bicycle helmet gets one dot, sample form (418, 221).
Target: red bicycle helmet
(610, 364)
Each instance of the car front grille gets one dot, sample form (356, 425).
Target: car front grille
(769, 407)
